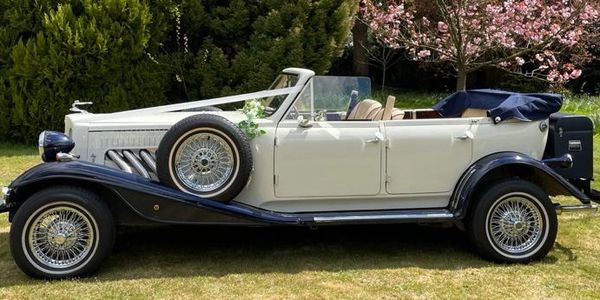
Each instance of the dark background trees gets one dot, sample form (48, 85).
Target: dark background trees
(139, 53)
(126, 54)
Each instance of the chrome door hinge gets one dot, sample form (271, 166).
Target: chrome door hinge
(275, 179)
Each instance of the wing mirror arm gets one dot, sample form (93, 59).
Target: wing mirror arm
(304, 123)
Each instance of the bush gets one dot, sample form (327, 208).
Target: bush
(126, 54)
(95, 52)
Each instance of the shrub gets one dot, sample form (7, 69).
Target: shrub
(138, 53)
(95, 53)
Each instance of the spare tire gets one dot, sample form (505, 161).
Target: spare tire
(205, 155)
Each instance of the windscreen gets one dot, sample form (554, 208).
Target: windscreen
(332, 93)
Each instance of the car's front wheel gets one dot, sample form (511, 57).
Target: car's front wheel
(61, 232)
(514, 221)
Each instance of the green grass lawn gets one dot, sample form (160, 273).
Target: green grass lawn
(405, 261)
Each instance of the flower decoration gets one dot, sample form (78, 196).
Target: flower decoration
(253, 110)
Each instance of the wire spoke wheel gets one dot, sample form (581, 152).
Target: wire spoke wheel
(515, 224)
(204, 162)
(512, 221)
(205, 155)
(61, 237)
(62, 231)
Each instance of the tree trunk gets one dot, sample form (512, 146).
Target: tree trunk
(461, 80)
(383, 76)
(360, 59)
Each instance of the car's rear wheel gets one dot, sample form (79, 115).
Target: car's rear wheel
(513, 221)
(61, 232)
(205, 155)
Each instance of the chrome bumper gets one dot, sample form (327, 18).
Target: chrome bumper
(576, 208)
(3, 197)
(5, 193)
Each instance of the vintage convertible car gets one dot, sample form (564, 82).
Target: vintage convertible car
(484, 160)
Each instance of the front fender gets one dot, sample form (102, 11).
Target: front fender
(149, 199)
(505, 165)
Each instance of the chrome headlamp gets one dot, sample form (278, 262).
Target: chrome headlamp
(53, 143)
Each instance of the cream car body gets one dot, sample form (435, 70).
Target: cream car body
(331, 165)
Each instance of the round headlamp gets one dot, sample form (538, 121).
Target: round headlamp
(52, 143)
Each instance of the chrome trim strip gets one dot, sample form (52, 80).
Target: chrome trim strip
(137, 164)
(402, 216)
(117, 159)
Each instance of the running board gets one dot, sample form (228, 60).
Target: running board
(576, 208)
(376, 217)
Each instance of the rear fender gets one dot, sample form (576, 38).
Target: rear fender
(508, 165)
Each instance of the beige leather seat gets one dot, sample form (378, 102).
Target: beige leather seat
(365, 110)
(474, 113)
(389, 112)
(397, 114)
(371, 110)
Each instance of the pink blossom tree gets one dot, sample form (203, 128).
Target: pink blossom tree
(545, 39)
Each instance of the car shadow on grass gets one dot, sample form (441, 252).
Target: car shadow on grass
(185, 251)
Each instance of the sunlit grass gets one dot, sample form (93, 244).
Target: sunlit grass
(353, 262)
(587, 105)
(409, 99)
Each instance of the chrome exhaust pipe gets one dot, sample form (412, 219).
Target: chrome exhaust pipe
(149, 160)
(136, 163)
(117, 159)
(576, 208)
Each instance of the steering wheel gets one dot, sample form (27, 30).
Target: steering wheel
(353, 102)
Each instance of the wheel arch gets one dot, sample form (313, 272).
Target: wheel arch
(504, 165)
(133, 200)
(115, 203)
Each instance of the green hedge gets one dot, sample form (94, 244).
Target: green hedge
(126, 54)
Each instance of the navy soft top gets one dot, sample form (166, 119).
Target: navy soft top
(501, 105)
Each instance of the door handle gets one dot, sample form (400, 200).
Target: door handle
(467, 135)
(378, 138)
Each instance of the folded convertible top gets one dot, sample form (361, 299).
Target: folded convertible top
(501, 105)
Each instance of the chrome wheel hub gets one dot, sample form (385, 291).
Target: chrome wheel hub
(204, 162)
(61, 237)
(515, 224)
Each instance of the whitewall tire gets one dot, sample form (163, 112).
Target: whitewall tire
(513, 221)
(205, 155)
(61, 232)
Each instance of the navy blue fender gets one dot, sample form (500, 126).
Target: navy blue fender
(504, 165)
(148, 199)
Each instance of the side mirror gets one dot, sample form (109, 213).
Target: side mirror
(304, 123)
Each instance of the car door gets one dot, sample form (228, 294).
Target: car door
(427, 156)
(331, 158)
